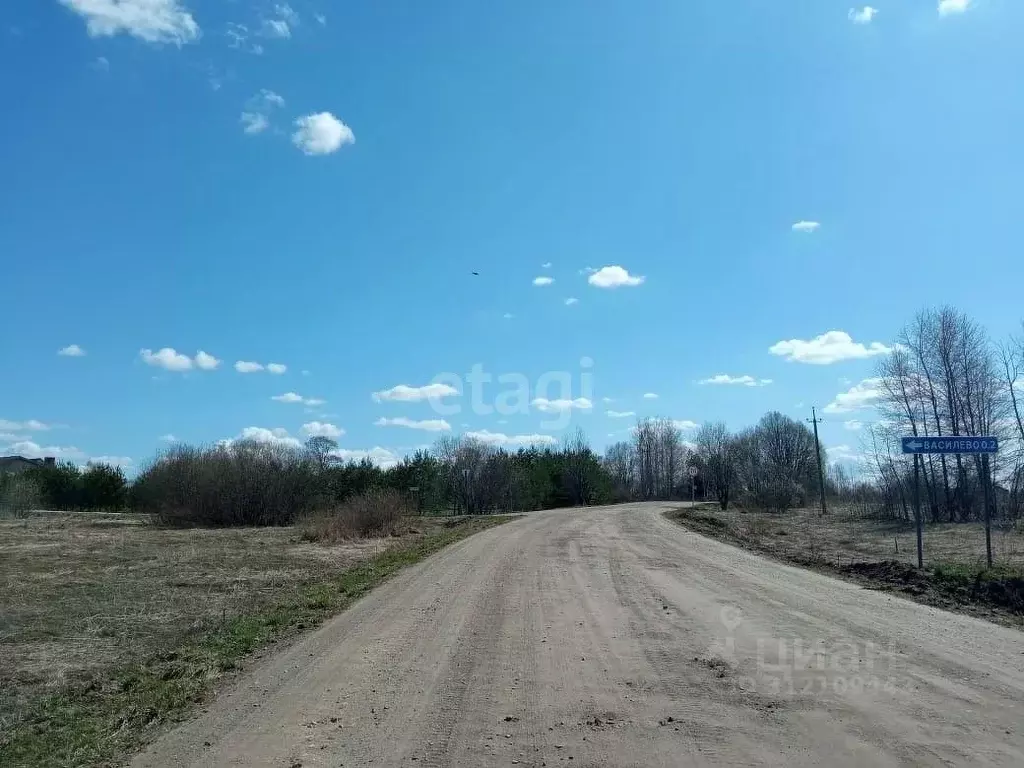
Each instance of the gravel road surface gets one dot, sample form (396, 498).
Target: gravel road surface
(613, 637)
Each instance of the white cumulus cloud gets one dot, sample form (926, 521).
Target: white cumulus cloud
(830, 347)
(32, 425)
(155, 21)
(270, 98)
(429, 425)
(650, 396)
(571, 300)
(685, 424)
(124, 462)
(295, 397)
(254, 123)
(278, 436)
(863, 15)
(742, 381)
(619, 414)
(205, 362)
(806, 227)
(544, 405)
(168, 438)
(170, 359)
(322, 429)
(614, 277)
(32, 450)
(256, 117)
(863, 395)
(406, 394)
(543, 280)
(510, 441)
(251, 366)
(72, 350)
(853, 424)
(381, 457)
(950, 7)
(321, 134)
(842, 453)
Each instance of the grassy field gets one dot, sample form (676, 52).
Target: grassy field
(883, 554)
(845, 536)
(110, 627)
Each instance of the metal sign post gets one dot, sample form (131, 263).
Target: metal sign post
(917, 512)
(986, 500)
(693, 485)
(957, 444)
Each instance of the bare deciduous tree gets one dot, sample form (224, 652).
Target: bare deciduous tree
(660, 458)
(943, 380)
(578, 462)
(321, 451)
(620, 463)
(776, 463)
(716, 457)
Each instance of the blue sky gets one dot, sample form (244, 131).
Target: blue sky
(313, 184)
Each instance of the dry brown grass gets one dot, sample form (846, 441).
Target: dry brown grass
(883, 554)
(844, 536)
(84, 593)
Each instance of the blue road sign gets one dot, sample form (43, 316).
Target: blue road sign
(950, 444)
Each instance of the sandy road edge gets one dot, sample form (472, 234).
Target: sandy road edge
(106, 721)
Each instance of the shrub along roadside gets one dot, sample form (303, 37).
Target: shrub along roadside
(19, 495)
(374, 513)
(246, 483)
(106, 720)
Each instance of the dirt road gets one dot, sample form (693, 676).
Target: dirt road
(613, 637)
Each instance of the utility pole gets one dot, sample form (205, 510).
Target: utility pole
(817, 453)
